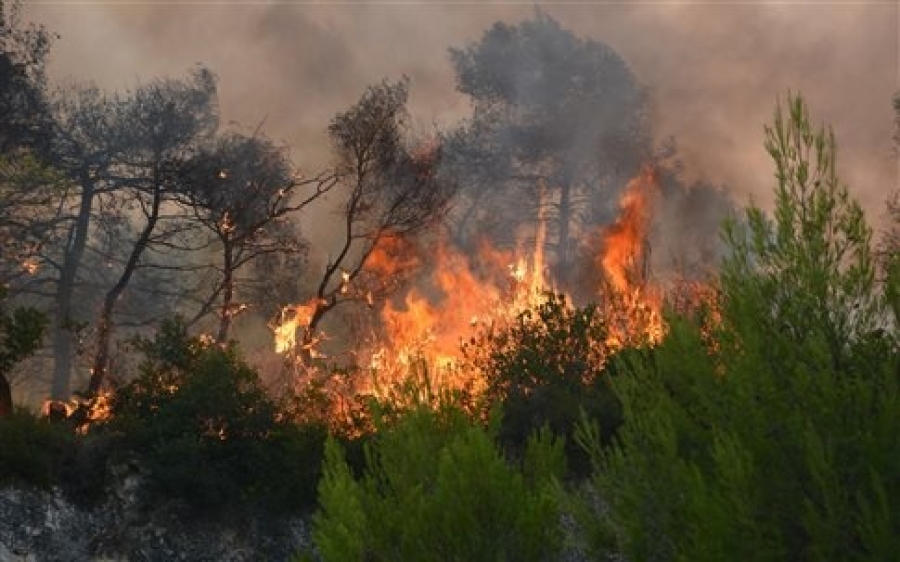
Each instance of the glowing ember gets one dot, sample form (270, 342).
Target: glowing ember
(99, 409)
(30, 266)
(95, 411)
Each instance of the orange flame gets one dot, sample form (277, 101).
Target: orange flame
(624, 241)
(461, 294)
(295, 319)
(464, 294)
(634, 306)
(458, 293)
(30, 266)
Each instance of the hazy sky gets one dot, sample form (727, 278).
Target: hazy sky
(714, 69)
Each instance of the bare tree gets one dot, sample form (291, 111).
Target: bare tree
(121, 155)
(82, 150)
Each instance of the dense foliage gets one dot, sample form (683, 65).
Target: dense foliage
(21, 331)
(33, 451)
(548, 368)
(776, 439)
(199, 420)
(437, 487)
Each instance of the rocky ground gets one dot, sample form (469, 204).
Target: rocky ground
(38, 526)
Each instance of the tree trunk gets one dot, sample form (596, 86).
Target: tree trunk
(104, 324)
(63, 352)
(308, 339)
(227, 293)
(63, 338)
(564, 222)
(6, 405)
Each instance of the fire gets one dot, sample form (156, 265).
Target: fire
(30, 266)
(99, 409)
(465, 294)
(421, 327)
(94, 411)
(624, 241)
(391, 260)
(460, 295)
(295, 319)
(633, 304)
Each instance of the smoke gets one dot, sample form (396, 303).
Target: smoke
(715, 71)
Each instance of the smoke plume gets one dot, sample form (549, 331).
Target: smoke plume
(715, 71)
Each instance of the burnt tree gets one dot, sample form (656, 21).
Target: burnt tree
(392, 190)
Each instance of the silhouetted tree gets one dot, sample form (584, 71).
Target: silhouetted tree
(27, 188)
(392, 189)
(30, 194)
(552, 112)
(24, 116)
(158, 128)
(243, 191)
(122, 155)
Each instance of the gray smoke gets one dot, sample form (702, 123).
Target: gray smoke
(715, 71)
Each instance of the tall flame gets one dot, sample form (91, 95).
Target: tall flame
(429, 326)
(624, 242)
(633, 304)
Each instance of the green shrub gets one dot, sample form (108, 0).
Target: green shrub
(779, 441)
(85, 477)
(436, 487)
(21, 331)
(201, 423)
(547, 369)
(33, 451)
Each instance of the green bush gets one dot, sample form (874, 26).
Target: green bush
(204, 428)
(21, 331)
(436, 487)
(85, 477)
(548, 368)
(33, 451)
(779, 440)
